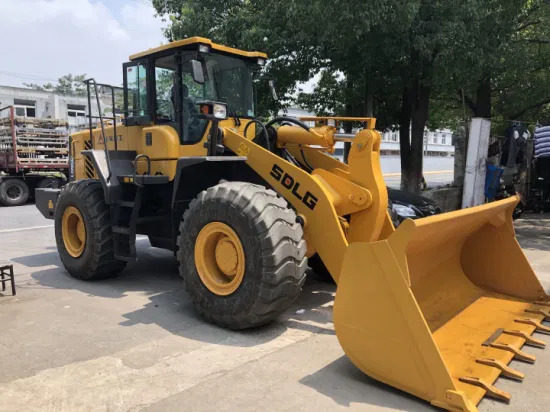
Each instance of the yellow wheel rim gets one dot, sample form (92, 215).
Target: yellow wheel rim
(219, 258)
(73, 231)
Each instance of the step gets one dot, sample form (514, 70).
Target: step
(121, 230)
(125, 258)
(144, 179)
(126, 203)
(148, 219)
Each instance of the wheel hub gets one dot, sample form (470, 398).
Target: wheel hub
(14, 192)
(73, 231)
(219, 258)
(226, 256)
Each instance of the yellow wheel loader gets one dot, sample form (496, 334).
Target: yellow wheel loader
(437, 308)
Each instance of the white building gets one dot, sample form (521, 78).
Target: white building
(436, 143)
(47, 105)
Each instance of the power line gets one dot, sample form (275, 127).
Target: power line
(26, 76)
(144, 2)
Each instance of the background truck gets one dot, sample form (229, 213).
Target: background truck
(34, 153)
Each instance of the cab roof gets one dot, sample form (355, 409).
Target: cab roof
(194, 42)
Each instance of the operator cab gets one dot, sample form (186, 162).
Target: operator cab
(165, 85)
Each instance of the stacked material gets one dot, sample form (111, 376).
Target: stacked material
(38, 142)
(542, 141)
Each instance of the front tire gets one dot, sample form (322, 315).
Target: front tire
(241, 255)
(83, 232)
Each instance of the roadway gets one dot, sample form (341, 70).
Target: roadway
(134, 343)
(438, 171)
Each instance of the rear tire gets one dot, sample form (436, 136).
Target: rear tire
(274, 254)
(14, 192)
(96, 260)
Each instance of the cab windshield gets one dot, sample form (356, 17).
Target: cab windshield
(227, 80)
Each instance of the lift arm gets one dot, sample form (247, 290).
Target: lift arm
(324, 197)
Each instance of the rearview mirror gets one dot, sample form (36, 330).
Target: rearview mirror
(197, 71)
(273, 90)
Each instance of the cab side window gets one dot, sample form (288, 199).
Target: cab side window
(192, 93)
(136, 77)
(165, 85)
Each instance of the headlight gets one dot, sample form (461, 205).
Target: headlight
(403, 211)
(220, 111)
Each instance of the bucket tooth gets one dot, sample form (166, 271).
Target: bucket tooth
(529, 340)
(543, 303)
(518, 354)
(492, 391)
(543, 312)
(537, 324)
(505, 370)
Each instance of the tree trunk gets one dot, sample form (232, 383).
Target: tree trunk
(414, 115)
(369, 98)
(368, 112)
(348, 125)
(483, 98)
(460, 137)
(419, 119)
(405, 133)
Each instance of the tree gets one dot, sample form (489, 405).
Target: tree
(503, 70)
(396, 59)
(67, 84)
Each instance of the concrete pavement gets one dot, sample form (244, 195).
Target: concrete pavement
(135, 343)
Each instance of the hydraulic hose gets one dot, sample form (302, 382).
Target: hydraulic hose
(287, 119)
(264, 131)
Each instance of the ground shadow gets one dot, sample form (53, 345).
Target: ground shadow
(347, 385)
(533, 231)
(155, 272)
(156, 275)
(173, 311)
(39, 260)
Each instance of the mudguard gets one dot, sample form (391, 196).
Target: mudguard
(45, 200)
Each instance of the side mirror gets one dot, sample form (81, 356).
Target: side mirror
(273, 90)
(197, 71)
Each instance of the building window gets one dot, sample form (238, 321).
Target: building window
(24, 108)
(443, 141)
(436, 140)
(76, 114)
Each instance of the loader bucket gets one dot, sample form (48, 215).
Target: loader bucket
(441, 307)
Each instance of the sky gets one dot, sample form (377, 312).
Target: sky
(43, 40)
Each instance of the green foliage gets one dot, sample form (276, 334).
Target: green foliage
(328, 96)
(502, 65)
(68, 84)
(407, 62)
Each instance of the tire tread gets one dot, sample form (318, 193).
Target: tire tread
(283, 251)
(103, 263)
